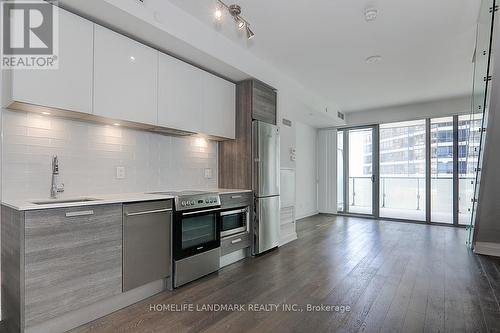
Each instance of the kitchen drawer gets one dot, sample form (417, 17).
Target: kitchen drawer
(236, 200)
(235, 243)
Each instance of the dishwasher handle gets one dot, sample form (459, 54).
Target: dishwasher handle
(149, 212)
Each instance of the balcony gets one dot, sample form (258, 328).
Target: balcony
(404, 198)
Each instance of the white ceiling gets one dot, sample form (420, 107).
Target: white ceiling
(426, 46)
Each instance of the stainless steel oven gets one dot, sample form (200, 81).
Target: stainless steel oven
(234, 222)
(196, 232)
(196, 235)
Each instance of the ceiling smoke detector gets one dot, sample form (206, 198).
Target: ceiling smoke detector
(373, 59)
(371, 14)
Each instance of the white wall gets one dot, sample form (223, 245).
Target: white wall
(287, 142)
(327, 171)
(438, 108)
(89, 153)
(306, 168)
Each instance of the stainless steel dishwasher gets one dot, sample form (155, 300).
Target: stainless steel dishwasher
(147, 245)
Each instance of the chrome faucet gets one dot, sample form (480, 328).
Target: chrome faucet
(55, 187)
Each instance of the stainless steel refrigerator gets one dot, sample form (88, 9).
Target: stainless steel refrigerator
(266, 185)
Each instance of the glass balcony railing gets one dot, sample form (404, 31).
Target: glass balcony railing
(405, 197)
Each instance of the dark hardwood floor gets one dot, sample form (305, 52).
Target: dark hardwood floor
(395, 277)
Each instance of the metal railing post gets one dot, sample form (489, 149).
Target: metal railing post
(418, 194)
(353, 192)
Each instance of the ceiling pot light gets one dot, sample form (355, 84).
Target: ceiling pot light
(370, 14)
(373, 59)
(46, 113)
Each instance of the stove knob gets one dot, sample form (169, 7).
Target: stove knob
(183, 203)
(207, 201)
(192, 202)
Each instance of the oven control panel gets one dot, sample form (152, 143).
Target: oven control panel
(198, 201)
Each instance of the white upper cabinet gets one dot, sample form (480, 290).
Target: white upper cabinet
(180, 95)
(125, 78)
(70, 86)
(219, 104)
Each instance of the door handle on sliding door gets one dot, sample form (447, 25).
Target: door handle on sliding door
(373, 178)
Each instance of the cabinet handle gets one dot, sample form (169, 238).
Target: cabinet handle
(236, 197)
(150, 212)
(235, 241)
(80, 213)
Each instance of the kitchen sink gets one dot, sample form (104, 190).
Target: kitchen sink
(55, 201)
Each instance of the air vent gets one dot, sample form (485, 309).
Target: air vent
(287, 122)
(341, 115)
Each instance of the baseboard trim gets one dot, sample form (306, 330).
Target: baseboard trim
(489, 249)
(303, 216)
(288, 238)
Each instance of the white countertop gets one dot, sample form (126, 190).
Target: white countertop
(24, 205)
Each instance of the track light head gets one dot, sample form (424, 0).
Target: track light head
(218, 13)
(250, 33)
(241, 24)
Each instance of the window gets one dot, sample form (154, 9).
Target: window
(411, 175)
(402, 170)
(442, 170)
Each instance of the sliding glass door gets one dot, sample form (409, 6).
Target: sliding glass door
(418, 170)
(360, 164)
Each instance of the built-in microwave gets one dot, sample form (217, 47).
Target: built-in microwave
(234, 222)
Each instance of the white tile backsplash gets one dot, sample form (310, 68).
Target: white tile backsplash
(89, 154)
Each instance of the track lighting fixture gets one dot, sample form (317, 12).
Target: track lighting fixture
(235, 12)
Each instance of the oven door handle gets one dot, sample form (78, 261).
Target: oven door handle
(201, 211)
(244, 210)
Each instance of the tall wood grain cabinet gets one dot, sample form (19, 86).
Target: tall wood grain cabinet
(254, 101)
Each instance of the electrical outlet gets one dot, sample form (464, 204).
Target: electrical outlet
(120, 172)
(209, 173)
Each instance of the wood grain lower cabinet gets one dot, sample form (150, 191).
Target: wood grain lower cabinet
(73, 258)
